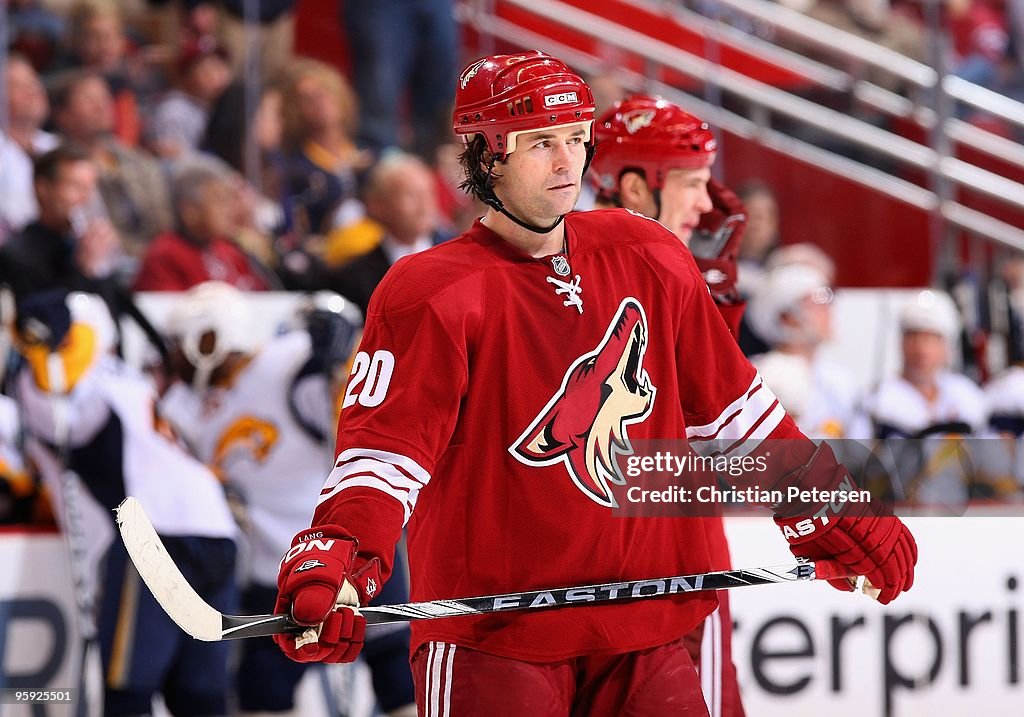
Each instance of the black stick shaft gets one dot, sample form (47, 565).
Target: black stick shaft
(240, 626)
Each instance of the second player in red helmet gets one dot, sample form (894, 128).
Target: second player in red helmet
(655, 158)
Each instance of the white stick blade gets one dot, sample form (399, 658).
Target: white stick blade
(170, 588)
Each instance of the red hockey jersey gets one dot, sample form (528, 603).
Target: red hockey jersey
(490, 403)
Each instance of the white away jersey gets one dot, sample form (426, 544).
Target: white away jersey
(247, 434)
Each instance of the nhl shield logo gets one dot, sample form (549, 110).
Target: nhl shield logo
(560, 264)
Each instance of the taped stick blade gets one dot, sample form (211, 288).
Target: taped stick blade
(170, 588)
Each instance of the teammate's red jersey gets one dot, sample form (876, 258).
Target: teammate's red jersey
(492, 397)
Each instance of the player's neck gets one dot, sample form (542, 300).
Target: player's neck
(926, 384)
(536, 245)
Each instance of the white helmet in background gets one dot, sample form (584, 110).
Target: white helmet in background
(782, 291)
(211, 307)
(932, 312)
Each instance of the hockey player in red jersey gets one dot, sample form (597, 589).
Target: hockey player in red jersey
(467, 349)
(655, 158)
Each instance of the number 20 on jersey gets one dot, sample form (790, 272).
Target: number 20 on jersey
(371, 376)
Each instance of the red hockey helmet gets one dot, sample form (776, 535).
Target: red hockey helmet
(504, 95)
(650, 134)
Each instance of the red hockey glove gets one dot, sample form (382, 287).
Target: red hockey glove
(847, 538)
(715, 243)
(322, 584)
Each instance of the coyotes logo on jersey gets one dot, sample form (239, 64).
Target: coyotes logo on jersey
(584, 424)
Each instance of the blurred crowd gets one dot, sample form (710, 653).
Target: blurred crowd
(185, 156)
(140, 155)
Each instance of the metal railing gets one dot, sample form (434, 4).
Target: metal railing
(766, 101)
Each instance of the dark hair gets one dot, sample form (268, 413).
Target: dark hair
(228, 126)
(753, 187)
(478, 168)
(64, 85)
(48, 166)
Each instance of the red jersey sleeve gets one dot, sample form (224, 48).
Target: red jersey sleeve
(399, 409)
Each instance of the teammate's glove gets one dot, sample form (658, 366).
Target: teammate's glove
(322, 583)
(715, 243)
(848, 539)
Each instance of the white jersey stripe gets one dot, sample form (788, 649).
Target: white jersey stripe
(386, 471)
(391, 473)
(711, 663)
(448, 681)
(404, 462)
(757, 433)
(709, 430)
(738, 418)
(406, 498)
(428, 685)
(742, 429)
(435, 663)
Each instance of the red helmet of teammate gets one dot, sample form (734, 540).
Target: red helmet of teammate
(504, 95)
(650, 134)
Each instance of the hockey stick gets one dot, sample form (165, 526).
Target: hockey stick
(201, 621)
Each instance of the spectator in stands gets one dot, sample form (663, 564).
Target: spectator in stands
(761, 236)
(27, 111)
(34, 31)
(1015, 17)
(269, 41)
(927, 400)
(132, 184)
(401, 49)
(401, 200)
(791, 309)
(981, 40)
(97, 41)
(231, 131)
(70, 245)
(322, 161)
(880, 21)
(73, 245)
(201, 248)
(178, 121)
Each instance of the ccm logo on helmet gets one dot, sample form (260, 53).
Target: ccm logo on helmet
(562, 98)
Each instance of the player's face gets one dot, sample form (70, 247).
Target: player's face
(924, 355)
(684, 197)
(540, 180)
